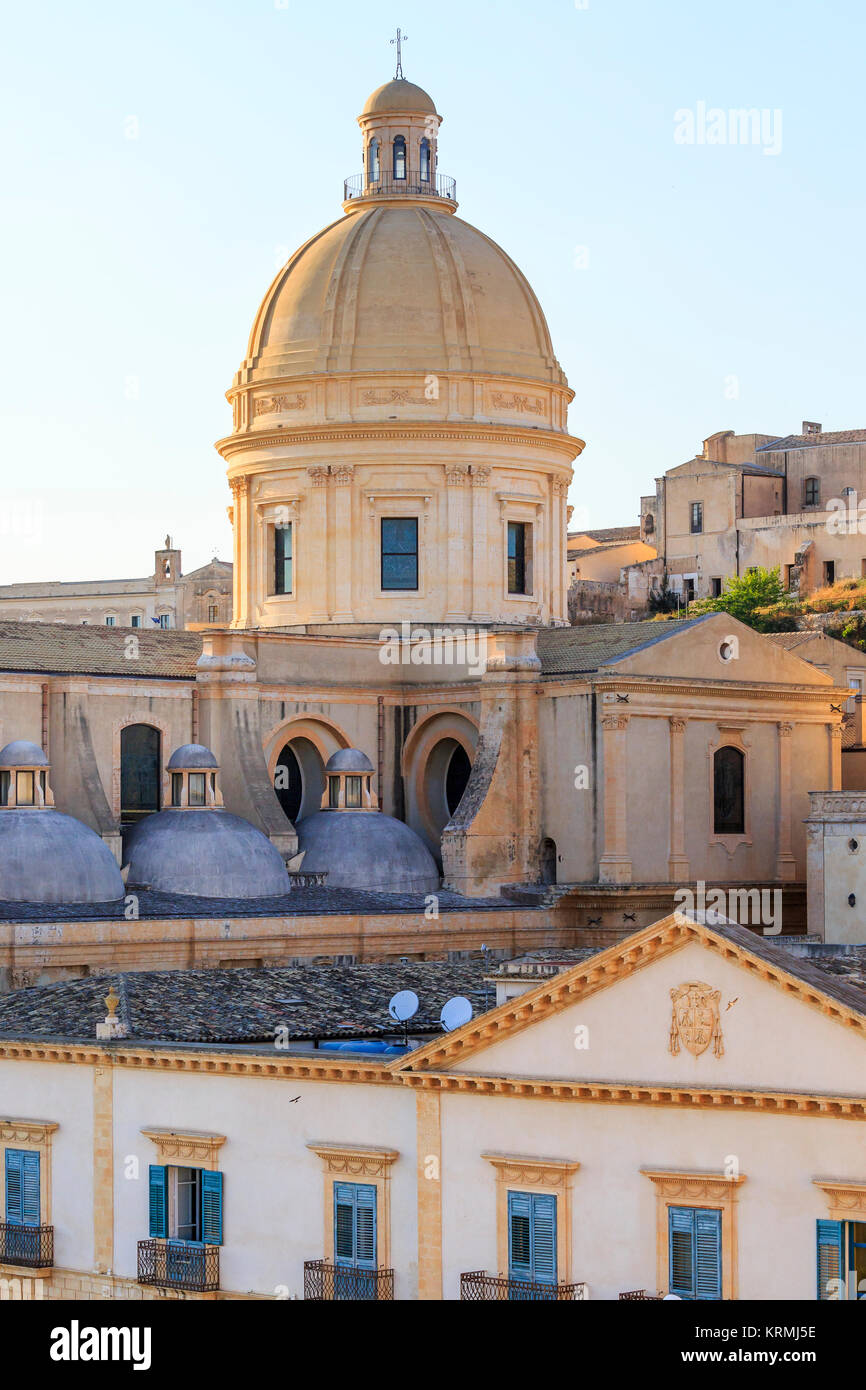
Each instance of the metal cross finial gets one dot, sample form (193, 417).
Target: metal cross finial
(399, 41)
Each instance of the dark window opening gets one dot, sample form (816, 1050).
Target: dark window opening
(334, 793)
(288, 783)
(697, 518)
(399, 552)
(425, 161)
(140, 772)
(459, 768)
(399, 158)
(715, 588)
(517, 557)
(283, 559)
(829, 571)
(373, 161)
(812, 492)
(176, 788)
(353, 792)
(729, 785)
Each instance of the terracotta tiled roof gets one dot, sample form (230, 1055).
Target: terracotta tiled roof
(811, 441)
(59, 648)
(567, 650)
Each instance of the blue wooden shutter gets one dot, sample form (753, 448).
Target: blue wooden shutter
(212, 1208)
(544, 1238)
(14, 1210)
(831, 1259)
(23, 1203)
(158, 1200)
(365, 1225)
(681, 1251)
(708, 1254)
(532, 1237)
(519, 1235)
(355, 1224)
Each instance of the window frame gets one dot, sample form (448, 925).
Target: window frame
(399, 155)
(812, 485)
(279, 530)
(696, 518)
(387, 519)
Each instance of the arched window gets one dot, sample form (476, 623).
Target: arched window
(425, 160)
(729, 792)
(373, 170)
(812, 492)
(140, 773)
(399, 157)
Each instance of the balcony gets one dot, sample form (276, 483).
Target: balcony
(326, 1283)
(174, 1264)
(29, 1247)
(479, 1287)
(640, 1296)
(436, 186)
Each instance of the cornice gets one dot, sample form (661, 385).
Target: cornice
(472, 432)
(188, 1146)
(26, 1131)
(711, 1186)
(533, 1172)
(355, 1160)
(846, 1200)
(664, 685)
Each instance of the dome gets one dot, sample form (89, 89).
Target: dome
(20, 753)
(399, 95)
(402, 287)
(204, 853)
(46, 857)
(191, 755)
(348, 760)
(366, 850)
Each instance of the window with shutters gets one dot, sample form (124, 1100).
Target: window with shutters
(841, 1260)
(532, 1237)
(355, 1224)
(186, 1204)
(23, 1201)
(695, 1252)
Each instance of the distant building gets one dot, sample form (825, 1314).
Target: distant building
(761, 500)
(168, 598)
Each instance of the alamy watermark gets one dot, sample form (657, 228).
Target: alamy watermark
(437, 646)
(713, 125)
(749, 907)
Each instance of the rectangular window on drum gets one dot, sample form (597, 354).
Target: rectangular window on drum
(283, 559)
(196, 788)
(399, 552)
(353, 792)
(517, 557)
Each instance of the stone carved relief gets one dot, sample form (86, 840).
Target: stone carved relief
(397, 396)
(271, 405)
(695, 1020)
(529, 405)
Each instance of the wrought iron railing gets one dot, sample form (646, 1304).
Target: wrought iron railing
(325, 1283)
(640, 1296)
(175, 1264)
(478, 1287)
(31, 1247)
(412, 186)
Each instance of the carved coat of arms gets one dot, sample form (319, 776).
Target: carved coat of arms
(695, 1019)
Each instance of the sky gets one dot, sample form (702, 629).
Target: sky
(161, 160)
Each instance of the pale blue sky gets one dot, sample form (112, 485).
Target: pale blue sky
(132, 268)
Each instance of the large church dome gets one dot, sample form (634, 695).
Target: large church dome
(399, 446)
(401, 288)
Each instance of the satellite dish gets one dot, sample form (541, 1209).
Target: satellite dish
(455, 1013)
(403, 1006)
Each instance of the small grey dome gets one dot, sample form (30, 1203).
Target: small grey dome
(348, 760)
(20, 753)
(191, 755)
(204, 853)
(364, 849)
(46, 857)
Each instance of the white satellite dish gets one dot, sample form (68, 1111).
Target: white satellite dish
(455, 1013)
(403, 1006)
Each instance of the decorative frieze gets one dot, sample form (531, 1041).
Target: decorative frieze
(26, 1131)
(396, 396)
(186, 1147)
(523, 405)
(272, 405)
(355, 1161)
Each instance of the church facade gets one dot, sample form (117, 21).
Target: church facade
(399, 460)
